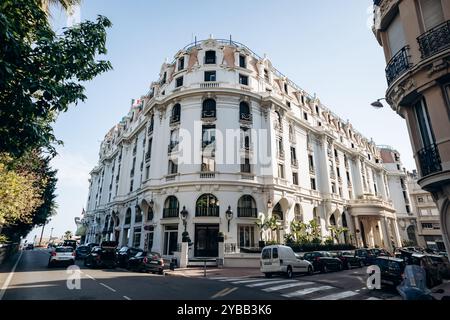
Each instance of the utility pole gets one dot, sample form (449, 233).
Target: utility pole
(42, 233)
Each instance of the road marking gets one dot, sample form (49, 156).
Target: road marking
(231, 279)
(107, 287)
(11, 274)
(338, 296)
(372, 298)
(90, 277)
(249, 281)
(127, 298)
(269, 282)
(304, 292)
(286, 286)
(224, 292)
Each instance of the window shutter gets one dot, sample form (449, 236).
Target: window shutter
(396, 36)
(432, 13)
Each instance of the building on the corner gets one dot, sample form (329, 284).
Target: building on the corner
(415, 36)
(223, 139)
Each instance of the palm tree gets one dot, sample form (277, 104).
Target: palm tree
(273, 225)
(68, 235)
(336, 232)
(262, 225)
(66, 5)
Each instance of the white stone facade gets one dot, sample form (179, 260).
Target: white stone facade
(303, 163)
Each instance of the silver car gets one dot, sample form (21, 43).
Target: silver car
(62, 255)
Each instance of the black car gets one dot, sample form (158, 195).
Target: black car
(70, 243)
(323, 261)
(433, 271)
(147, 262)
(380, 252)
(366, 255)
(101, 257)
(391, 270)
(81, 252)
(349, 259)
(124, 254)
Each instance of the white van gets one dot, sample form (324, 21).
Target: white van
(277, 259)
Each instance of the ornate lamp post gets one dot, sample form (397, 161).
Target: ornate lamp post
(229, 216)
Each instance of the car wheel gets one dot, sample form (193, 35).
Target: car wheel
(324, 269)
(310, 270)
(268, 275)
(289, 272)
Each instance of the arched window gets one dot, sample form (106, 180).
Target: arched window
(176, 112)
(150, 214)
(128, 216)
(244, 112)
(138, 215)
(210, 57)
(298, 212)
(332, 220)
(209, 108)
(171, 207)
(278, 212)
(207, 206)
(247, 207)
(345, 225)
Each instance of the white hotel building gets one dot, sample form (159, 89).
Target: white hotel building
(223, 129)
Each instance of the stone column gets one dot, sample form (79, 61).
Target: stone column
(357, 235)
(397, 237)
(386, 237)
(184, 255)
(222, 252)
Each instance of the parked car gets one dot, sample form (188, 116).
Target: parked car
(380, 252)
(442, 264)
(348, 259)
(81, 252)
(70, 243)
(278, 259)
(367, 256)
(323, 261)
(101, 257)
(147, 262)
(61, 255)
(124, 254)
(92, 244)
(391, 270)
(29, 246)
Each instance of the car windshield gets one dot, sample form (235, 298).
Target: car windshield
(123, 250)
(139, 254)
(154, 255)
(64, 249)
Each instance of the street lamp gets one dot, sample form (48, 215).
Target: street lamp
(229, 216)
(377, 104)
(184, 213)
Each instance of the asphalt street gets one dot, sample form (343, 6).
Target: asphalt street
(32, 279)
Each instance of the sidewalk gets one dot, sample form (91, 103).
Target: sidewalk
(444, 286)
(215, 272)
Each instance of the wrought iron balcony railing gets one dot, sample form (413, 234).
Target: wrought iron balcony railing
(173, 146)
(430, 161)
(246, 168)
(206, 211)
(398, 65)
(175, 119)
(244, 212)
(170, 212)
(211, 114)
(246, 117)
(435, 40)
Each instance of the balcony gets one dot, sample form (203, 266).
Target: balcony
(210, 84)
(208, 115)
(246, 168)
(173, 146)
(175, 119)
(207, 175)
(435, 40)
(170, 212)
(246, 117)
(430, 161)
(206, 211)
(398, 65)
(247, 212)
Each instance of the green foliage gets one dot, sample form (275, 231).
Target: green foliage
(68, 235)
(336, 232)
(41, 72)
(3, 238)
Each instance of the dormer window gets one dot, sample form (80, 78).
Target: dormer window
(286, 88)
(164, 79)
(181, 63)
(242, 61)
(210, 57)
(179, 82)
(266, 74)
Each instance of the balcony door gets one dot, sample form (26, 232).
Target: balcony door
(432, 13)
(396, 36)
(205, 244)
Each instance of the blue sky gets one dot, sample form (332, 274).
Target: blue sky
(325, 46)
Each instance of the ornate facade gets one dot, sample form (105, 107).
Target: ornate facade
(223, 139)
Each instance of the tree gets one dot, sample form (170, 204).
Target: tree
(65, 4)
(336, 232)
(68, 235)
(272, 224)
(41, 73)
(262, 225)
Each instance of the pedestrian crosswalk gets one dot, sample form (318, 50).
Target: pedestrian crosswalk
(296, 288)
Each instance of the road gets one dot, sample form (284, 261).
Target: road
(32, 279)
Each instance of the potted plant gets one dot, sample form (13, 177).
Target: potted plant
(220, 237)
(185, 237)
